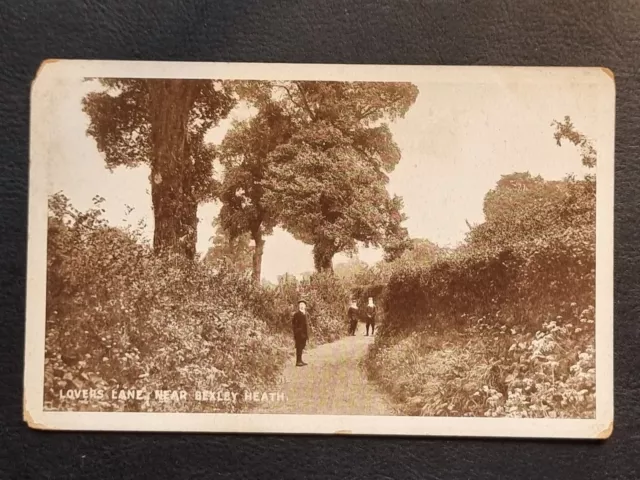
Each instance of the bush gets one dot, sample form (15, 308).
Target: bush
(327, 299)
(119, 317)
(493, 370)
(522, 279)
(503, 325)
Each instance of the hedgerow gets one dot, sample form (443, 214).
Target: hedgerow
(327, 298)
(493, 370)
(517, 281)
(120, 317)
(503, 326)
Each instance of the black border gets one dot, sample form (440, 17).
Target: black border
(437, 32)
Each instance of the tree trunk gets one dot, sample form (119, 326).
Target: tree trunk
(323, 253)
(258, 250)
(172, 173)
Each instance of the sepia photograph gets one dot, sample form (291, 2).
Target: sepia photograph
(279, 248)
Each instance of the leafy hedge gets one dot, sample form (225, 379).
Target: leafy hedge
(119, 317)
(517, 282)
(503, 326)
(327, 298)
(493, 370)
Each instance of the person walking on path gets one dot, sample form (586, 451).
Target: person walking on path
(352, 315)
(300, 333)
(370, 315)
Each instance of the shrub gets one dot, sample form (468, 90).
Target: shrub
(503, 325)
(493, 370)
(521, 280)
(327, 299)
(119, 317)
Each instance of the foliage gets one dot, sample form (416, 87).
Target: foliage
(494, 370)
(372, 281)
(326, 177)
(420, 251)
(395, 241)
(236, 252)
(503, 325)
(120, 317)
(522, 208)
(245, 155)
(327, 300)
(350, 271)
(567, 131)
(519, 279)
(314, 159)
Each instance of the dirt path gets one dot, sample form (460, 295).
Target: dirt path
(333, 382)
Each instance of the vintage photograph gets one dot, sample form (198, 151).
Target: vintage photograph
(321, 249)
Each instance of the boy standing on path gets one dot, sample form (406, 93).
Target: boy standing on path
(370, 313)
(300, 334)
(352, 315)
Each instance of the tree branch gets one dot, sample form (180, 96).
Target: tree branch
(304, 99)
(301, 107)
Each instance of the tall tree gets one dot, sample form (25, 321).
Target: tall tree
(245, 155)
(329, 180)
(162, 123)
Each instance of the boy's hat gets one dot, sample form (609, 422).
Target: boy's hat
(302, 300)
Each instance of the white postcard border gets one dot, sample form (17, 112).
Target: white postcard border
(34, 414)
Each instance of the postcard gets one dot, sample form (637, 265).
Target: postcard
(321, 249)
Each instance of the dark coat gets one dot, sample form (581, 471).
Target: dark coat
(352, 313)
(371, 313)
(299, 324)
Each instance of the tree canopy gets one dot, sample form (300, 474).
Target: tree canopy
(245, 155)
(522, 207)
(314, 160)
(329, 181)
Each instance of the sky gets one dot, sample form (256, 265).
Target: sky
(456, 142)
